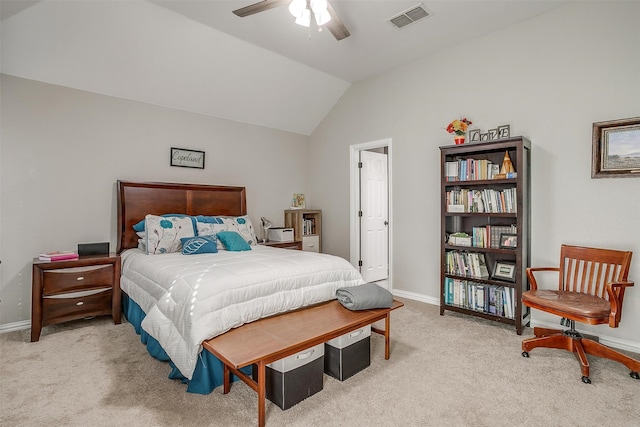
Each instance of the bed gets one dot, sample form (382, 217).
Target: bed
(176, 301)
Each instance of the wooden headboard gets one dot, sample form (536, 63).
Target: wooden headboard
(137, 199)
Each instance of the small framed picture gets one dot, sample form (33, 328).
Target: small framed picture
(484, 137)
(493, 134)
(474, 135)
(504, 131)
(508, 241)
(297, 201)
(504, 270)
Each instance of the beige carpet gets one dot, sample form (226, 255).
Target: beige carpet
(447, 370)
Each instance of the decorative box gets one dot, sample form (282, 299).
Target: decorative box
(280, 234)
(348, 354)
(292, 379)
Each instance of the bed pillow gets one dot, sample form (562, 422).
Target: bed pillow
(245, 228)
(233, 241)
(139, 227)
(213, 228)
(164, 233)
(240, 224)
(199, 245)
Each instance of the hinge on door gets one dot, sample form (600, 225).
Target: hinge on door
(360, 263)
(360, 213)
(360, 165)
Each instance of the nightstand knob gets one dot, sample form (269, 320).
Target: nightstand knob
(80, 303)
(80, 278)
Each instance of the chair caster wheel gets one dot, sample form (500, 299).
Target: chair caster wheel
(586, 380)
(525, 354)
(634, 375)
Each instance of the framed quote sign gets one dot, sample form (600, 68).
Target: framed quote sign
(186, 158)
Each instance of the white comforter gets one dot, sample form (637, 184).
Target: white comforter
(190, 298)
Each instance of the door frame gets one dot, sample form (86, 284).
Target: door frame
(354, 199)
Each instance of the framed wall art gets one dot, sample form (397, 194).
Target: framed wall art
(185, 158)
(504, 270)
(616, 149)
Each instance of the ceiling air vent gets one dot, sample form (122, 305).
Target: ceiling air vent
(410, 16)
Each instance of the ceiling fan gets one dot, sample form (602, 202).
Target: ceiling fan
(302, 10)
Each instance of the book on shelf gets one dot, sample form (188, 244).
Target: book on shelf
(58, 256)
(491, 299)
(480, 201)
(468, 264)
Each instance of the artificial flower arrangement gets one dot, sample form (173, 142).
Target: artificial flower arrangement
(459, 127)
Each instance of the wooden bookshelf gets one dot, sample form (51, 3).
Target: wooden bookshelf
(485, 208)
(307, 227)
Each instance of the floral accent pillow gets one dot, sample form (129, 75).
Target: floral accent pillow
(244, 227)
(164, 233)
(213, 226)
(209, 225)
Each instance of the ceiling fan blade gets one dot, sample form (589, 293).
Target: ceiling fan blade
(261, 6)
(336, 26)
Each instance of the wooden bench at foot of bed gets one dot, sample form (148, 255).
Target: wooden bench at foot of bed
(273, 338)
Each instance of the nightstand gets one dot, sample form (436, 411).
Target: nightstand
(285, 245)
(74, 289)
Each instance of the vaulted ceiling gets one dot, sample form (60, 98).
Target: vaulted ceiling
(263, 69)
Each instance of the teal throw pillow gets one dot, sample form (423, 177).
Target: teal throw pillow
(199, 245)
(233, 241)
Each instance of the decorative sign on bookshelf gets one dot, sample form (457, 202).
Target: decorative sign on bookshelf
(500, 132)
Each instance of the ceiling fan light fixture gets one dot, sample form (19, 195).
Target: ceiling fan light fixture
(322, 17)
(297, 7)
(319, 6)
(305, 18)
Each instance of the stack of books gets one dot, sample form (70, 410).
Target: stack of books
(58, 256)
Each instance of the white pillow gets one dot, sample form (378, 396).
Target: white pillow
(164, 233)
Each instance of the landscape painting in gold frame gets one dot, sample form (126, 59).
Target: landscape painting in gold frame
(616, 149)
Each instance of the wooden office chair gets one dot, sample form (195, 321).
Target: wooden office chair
(590, 290)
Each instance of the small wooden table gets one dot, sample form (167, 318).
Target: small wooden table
(273, 338)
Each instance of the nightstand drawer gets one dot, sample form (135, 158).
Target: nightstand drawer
(59, 309)
(311, 243)
(77, 278)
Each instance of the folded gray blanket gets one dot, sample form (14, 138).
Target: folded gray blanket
(364, 297)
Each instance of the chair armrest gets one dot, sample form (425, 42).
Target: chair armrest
(616, 296)
(532, 279)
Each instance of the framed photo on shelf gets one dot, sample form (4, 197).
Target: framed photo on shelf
(508, 241)
(297, 201)
(616, 149)
(504, 270)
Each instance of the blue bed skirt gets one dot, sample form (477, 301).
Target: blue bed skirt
(208, 374)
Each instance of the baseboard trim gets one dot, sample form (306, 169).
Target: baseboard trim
(604, 339)
(15, 326)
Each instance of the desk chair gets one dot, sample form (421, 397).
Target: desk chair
(591, 289)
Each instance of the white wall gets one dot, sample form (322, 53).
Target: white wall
(63, 150)
(550, 78)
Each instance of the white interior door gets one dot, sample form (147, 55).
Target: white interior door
(374, 236)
